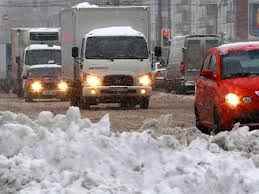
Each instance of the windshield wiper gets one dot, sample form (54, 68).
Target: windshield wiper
(241, 74)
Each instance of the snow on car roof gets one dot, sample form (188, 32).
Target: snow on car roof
(42, 46)
(45, 66)
(239, 46)
(115, 31)
(85, 5)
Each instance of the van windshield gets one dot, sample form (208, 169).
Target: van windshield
(240, 64)
(43, 56)
(116, 48)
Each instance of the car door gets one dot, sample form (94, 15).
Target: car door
(201, 93)
(211, 89)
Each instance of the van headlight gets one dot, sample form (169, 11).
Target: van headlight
(62, 86)
(145, 80)
(232, 99)
(93, 81)
(36, 86)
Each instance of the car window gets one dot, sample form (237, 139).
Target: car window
(206, 62)
(213, 64)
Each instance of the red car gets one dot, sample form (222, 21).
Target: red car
(227, 89)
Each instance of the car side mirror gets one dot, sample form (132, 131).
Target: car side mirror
(207, 73)
(18, 60)
(158, 51)
(75, 52)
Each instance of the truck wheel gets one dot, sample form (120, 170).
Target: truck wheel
(144, 103)
(198, 123)
(168, 86)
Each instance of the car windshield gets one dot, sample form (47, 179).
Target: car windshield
(241, 63)
(116, 48)
(47, 56)
(44, 72)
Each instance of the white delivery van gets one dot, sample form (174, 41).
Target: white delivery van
(114, 64)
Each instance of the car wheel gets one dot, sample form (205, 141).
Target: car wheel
(74, 101)
(217, 126)
(180, 89)
(144, 104)
(28, 98)
(198, 123)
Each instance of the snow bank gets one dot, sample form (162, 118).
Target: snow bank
(68, 154)
(85, 5)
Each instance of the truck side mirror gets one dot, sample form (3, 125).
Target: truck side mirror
(75, 52)
(184, 49)
(18, 60)
(158, 51)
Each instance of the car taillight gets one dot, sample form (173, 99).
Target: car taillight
(158, 74)
(182, 68)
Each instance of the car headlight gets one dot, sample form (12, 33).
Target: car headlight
(145, 80)
(232, 99)
(93, 81)
(62, 86)
(36, 86)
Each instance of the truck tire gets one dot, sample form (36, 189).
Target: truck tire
(144, 104)
(180, 89)
(168, 86)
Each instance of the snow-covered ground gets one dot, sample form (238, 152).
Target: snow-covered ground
(70, 155)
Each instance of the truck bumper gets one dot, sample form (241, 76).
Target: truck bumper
(115, 94)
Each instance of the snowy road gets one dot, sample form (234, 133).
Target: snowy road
(180, 107)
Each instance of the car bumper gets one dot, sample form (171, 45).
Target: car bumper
(245, 117)
(48, 94)
(106, 92)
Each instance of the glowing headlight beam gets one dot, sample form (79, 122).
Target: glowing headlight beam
(63, 86)
(93, 81)
(145, 80)
(232, 99)
(36, 86)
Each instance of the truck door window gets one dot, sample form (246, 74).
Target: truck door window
(82, 50)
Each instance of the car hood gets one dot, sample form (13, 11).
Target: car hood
(242, 85)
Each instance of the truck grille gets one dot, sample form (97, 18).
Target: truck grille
(118, 80)
(50, 86)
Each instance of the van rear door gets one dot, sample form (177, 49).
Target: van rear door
(193, 57)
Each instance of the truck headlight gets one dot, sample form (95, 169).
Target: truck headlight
(93, 81)
(62, 86)
(232, 99)
(145, 80)
(36, 86)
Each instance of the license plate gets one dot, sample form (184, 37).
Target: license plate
(118, 89)
(48, 93)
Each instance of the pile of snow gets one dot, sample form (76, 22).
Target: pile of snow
(67, 154)
(85, 5)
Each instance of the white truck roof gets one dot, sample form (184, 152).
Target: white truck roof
(45, 66)
(42, 47)
(114, 31)
(85, 5)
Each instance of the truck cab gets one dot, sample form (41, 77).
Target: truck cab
(115, 67)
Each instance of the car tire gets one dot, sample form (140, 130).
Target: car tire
(217, 125)
(28, 98)
(180, 89)
(198, 124)
(144, 104)
(74, 101)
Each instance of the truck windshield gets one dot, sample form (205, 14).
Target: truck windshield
(240, 64)
(47, 56)
(116, 48)
(44, 72)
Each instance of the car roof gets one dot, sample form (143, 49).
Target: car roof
(239, 46)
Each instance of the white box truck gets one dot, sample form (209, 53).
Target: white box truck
(33, 46)
(114, 65)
